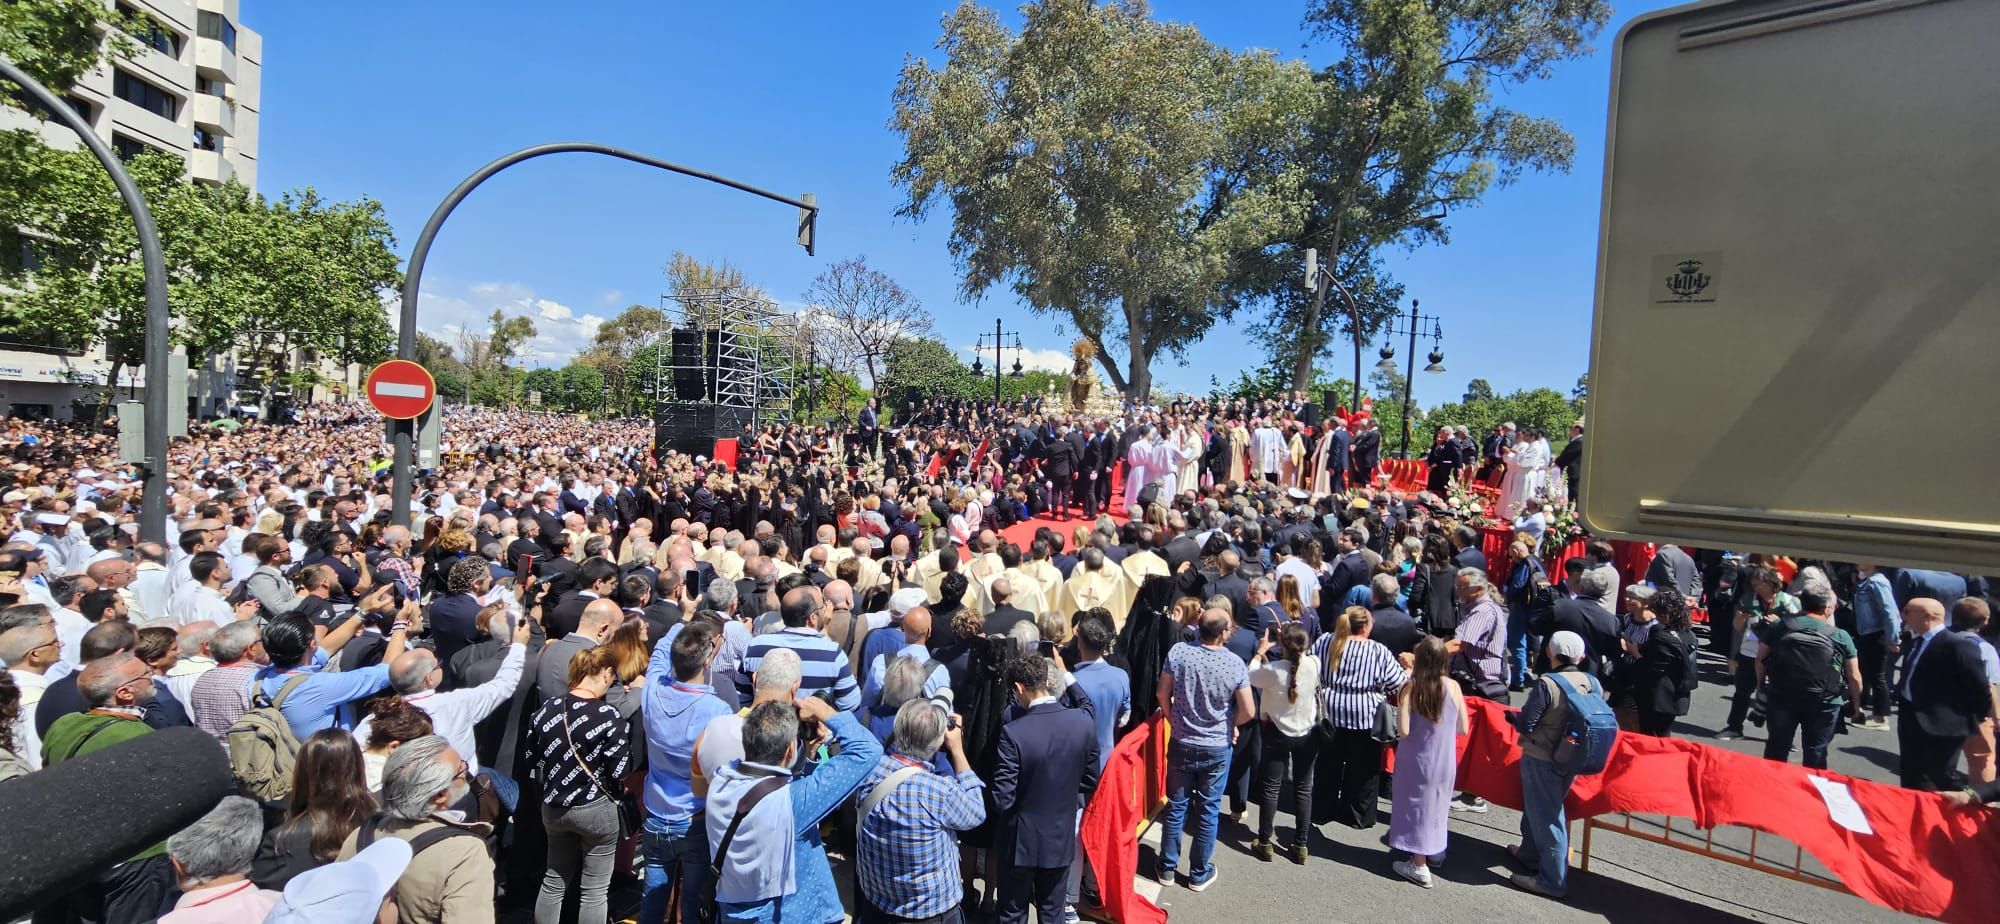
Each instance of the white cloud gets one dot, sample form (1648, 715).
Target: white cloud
(611, 299)
(560, 333)
(1031, 358)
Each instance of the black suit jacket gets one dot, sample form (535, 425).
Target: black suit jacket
(1394, 629)
(1047, 769)
(1058, 459)
(1948, 695)
(563, 620)
(1349, 572)
(1182, 550)
(661, 615)
(568, 502)
(1237, 588)
(1004, 617)
(1470, 557)
(1595, 624)
(454, 624)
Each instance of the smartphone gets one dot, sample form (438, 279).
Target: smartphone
(692, 578)
(1046, 648)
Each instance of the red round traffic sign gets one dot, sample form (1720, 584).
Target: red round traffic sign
(401, 389)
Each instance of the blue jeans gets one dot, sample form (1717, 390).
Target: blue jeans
(1818, 721)
(674, 851)
(1517, 646)
(1198, 771)
(1544, 828)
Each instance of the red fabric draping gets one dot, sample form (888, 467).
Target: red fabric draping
(1493, 540)
(1632, 559)
(725, 452)
(1923, 856)
(1133, 783)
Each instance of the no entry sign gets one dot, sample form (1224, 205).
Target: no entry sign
(401, 389)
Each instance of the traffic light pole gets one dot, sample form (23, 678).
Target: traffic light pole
(402, 433)
(153, 503)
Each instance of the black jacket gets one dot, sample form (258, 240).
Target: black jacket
(1047, 769)
(1004, 617)
(1394, 629)
(1948, 695)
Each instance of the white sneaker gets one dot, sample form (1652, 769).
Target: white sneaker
(1476, 806)
(1421, 875)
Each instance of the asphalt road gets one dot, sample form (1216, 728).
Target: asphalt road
(1348, 876)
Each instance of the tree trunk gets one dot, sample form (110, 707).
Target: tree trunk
(1140, 380)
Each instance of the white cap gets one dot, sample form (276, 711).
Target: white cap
(351, 890)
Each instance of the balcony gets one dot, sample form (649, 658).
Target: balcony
(211, 56)
(216, 114)
(209, 167)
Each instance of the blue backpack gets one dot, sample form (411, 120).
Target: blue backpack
(1590, 729)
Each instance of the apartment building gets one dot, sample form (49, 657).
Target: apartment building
(189, 88)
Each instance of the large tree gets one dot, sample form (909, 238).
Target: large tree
(1114, 170)
(864, 311)
(1411, 127)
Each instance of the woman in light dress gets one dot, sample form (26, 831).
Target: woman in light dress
(1239, 452)
(1189, 440)
(1431, 715)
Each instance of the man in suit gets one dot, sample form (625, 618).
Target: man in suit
(1089, 462)
(1227, 582)
(1570, 463)
(1181, 549)
(600, 618)
(1943, 696)
(1580, 612)
(663, 612)
(454, 617)
(1341, 457)
(1048, 767)
(1465, 545)
(1350, 570)
(871, 430)
(596, 578)
(1005, 615)
(1388, 623)
(1672, 567)
(1367, 451)
(1059, 472)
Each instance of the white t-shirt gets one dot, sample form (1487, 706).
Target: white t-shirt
(1293, 717)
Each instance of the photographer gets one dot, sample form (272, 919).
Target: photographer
(911, 816)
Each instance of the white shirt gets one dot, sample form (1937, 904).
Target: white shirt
(453, 714)
(149, 592)
(195, 602)
(1297, 567)
(70, 627)
(28, 743)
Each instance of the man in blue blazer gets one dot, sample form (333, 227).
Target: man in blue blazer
(1048, 768)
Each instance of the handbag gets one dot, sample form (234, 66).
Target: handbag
(627, 825)
(1387, 723)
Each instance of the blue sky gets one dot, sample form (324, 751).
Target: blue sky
(400, 100)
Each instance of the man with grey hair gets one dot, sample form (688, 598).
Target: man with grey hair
(1390, 625)
(775, 868)
(27, 652)
(193, 640)
(777, 680)
(451, 877)
(115, 687)
(415, 675)
(911, 817)
(1476, 649)
(221, 695)
(211, 859)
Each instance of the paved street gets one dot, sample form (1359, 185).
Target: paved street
(1348, 877)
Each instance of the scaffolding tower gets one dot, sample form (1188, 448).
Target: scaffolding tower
(746, 354)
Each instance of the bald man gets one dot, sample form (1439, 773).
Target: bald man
(1943, 695)
(916, 631)
(593, 628)
(825, 666)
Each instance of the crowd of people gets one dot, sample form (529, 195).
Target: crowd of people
(822, 682)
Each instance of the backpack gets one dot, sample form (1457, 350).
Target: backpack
(1804, 665)
(262, 747)
(1590, 729)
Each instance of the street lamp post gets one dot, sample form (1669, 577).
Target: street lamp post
(999, 343)
(403, 432)
(1318, 277)
(1413, 324)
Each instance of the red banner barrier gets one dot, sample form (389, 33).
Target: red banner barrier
(1920, 855)
(1133, 784)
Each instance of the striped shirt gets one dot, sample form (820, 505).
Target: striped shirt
(1353, 691)
(822, 666)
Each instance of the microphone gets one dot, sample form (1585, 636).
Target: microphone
(70, 822)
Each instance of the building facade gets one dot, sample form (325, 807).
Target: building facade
(189, 88)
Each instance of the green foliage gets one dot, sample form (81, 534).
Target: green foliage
(919, 368)
(1541, 407)
(1113, 170)
(236, 262)
(500, 386)
(1477, 390)
(56, 41)
(1408, 126)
